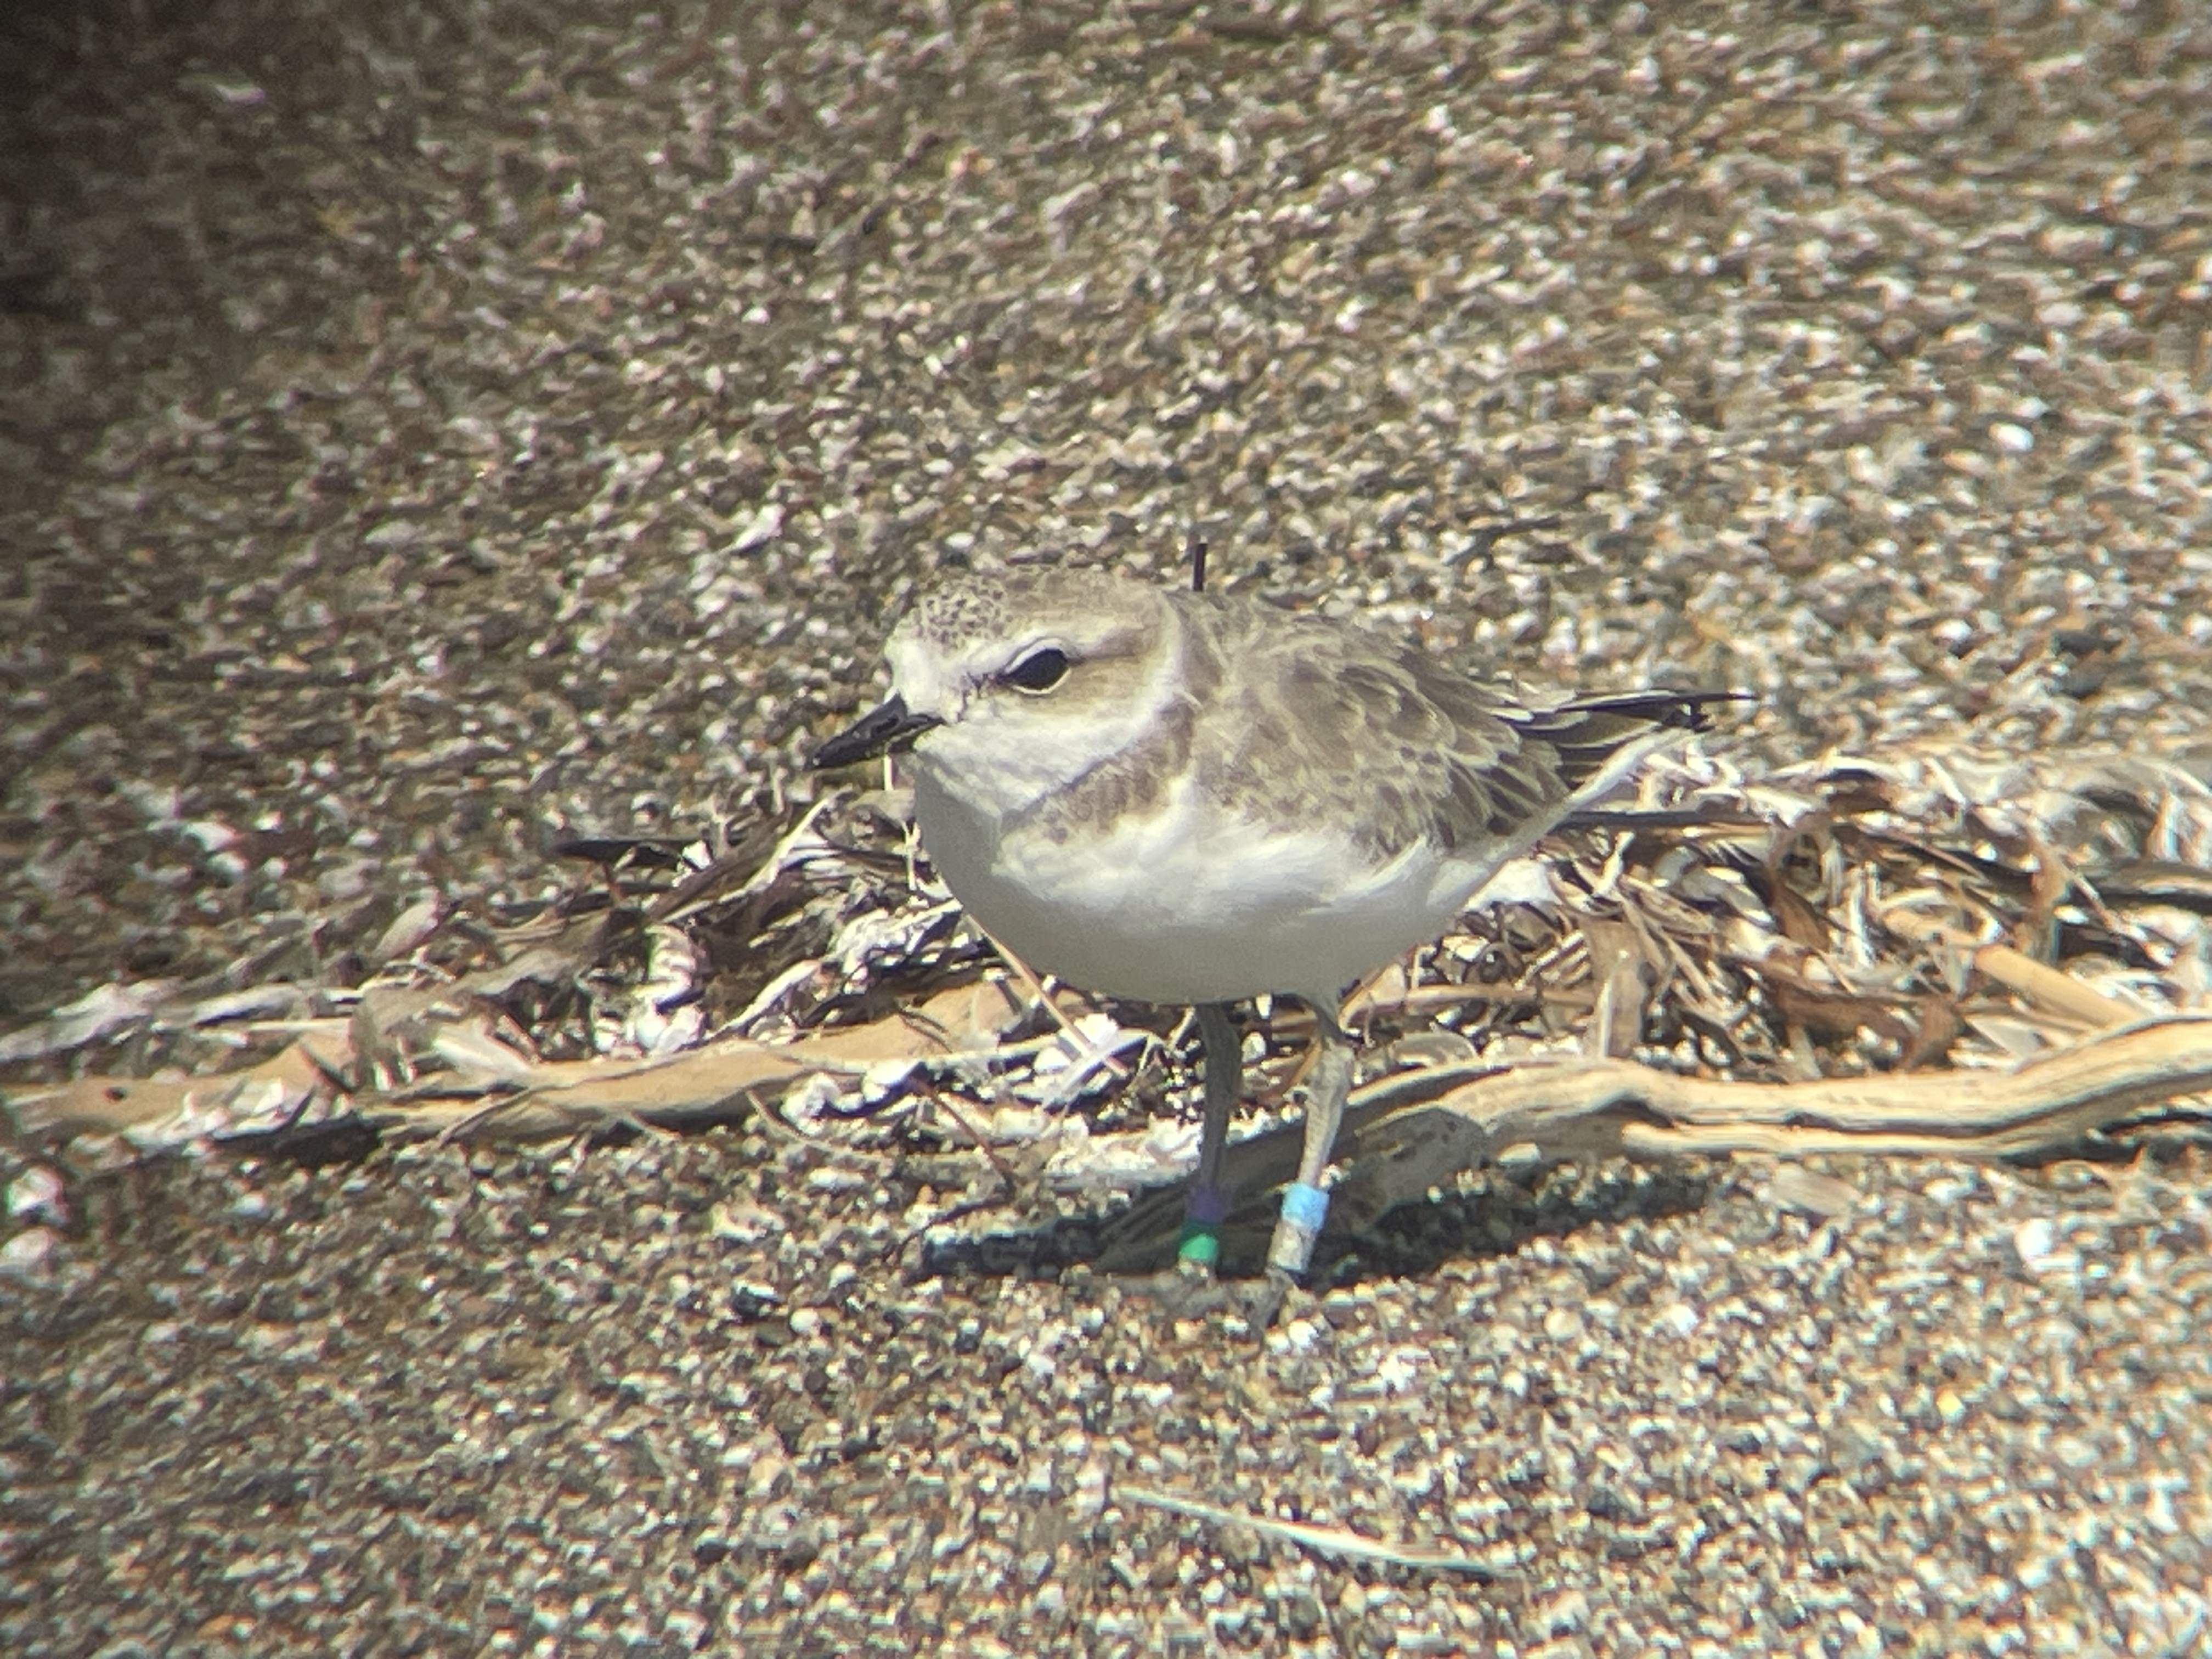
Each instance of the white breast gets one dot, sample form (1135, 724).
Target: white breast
(1191, 904)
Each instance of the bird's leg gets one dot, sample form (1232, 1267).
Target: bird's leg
(1305, 1204)
(1190, 1288)
(1207, 1207)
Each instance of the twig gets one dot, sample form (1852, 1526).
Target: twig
(1329, 1541)
(2047, 987)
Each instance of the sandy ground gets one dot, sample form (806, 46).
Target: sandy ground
(428, 430)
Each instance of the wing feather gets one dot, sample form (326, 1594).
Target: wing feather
(1317, 719)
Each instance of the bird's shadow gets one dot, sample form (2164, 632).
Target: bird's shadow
(1496, 1214)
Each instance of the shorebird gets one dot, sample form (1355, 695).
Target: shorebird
(1198, 798)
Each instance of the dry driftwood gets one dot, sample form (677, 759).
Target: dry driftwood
(487, 1088)
(1403, 1137)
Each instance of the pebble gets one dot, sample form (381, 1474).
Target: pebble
(440, 441)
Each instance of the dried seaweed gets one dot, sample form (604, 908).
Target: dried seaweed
(1881, 954)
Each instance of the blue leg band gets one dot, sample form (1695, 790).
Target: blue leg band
(1305, 1207)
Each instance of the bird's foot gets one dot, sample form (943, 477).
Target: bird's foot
(1266, 1297)
(1190, 1290)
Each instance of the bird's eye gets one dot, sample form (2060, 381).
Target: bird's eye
(1039, 672)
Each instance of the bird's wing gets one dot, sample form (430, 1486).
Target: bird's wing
(1310, 719)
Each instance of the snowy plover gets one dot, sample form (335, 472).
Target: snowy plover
(1195, 797)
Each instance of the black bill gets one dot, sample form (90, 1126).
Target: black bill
(887, 727)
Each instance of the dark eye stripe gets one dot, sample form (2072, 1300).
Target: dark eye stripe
(1039, 672)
